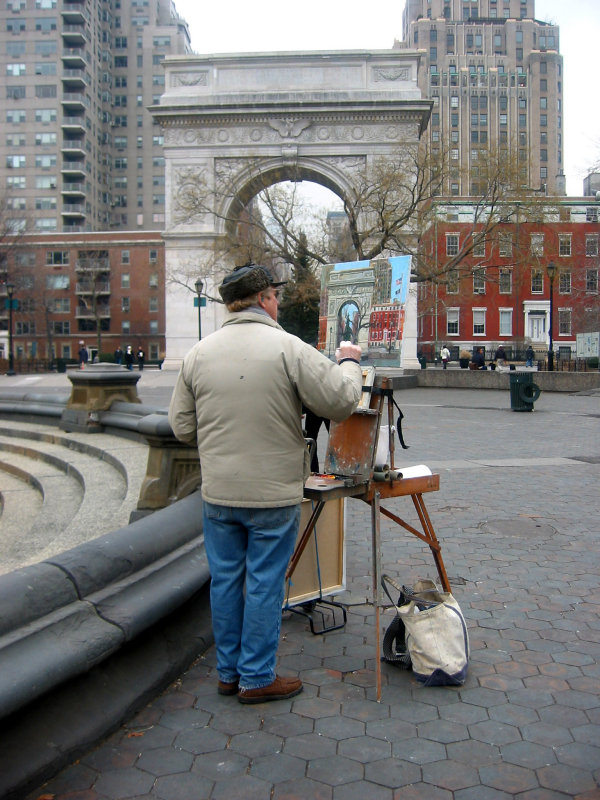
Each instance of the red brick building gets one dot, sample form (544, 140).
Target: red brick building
(102, 288)
(500, 292)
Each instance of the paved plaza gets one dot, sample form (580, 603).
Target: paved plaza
(517, 517)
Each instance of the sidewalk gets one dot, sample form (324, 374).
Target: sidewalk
(517, 517)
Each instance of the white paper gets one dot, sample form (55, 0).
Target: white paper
(418, 471)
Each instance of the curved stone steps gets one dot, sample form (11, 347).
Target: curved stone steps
(89, 484)
(21, 501)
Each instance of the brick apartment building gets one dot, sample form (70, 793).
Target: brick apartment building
(67, 286)
(500, 292)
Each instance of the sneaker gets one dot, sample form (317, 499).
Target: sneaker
(280, 689)
(227, 688)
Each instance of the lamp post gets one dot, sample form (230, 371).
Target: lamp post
(10, 290)
(199, 288)
(551, 270)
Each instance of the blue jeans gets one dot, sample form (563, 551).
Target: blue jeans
(248, 551)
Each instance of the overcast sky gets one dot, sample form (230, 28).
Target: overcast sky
(267, 25)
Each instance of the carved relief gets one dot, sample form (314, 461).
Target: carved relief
(189, 78)
(391, 74)
(288, 127)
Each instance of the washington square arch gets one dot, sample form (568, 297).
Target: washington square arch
(233, 124)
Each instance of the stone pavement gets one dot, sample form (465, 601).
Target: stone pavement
(517, 517)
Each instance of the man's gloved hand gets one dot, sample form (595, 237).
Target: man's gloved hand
(348, 350)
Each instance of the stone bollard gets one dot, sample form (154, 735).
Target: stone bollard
(94, 389)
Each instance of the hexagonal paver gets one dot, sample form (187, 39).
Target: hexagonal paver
(309, 745)
(183, 786)
(392, 772)
(219, 765)
(340, 727)
(483, 697)
(123, 783)
(365, 710)
(165, 761)
(528, 754)
(246, 786)
(474, 753)
(563, 778)
(419, 751)
(393, 730)
(335, 770)
(361, 790)
(316, 707)
(278, 767)
(302, 789)
(422, 791)
(481, 793)
(451, 775)
(256, 743)
(577, 754)
(365, 749)
(441, 730)
(508, 778)
(546, 734)
(494, 732)
(201, 740)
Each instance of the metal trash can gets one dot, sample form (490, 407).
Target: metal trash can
(61, 365)
(523, 391)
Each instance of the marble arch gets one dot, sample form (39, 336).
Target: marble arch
(234, 123)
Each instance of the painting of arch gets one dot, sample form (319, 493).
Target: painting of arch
(365, 302)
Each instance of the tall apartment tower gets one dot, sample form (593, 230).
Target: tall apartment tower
(78, 148)
(494, 73)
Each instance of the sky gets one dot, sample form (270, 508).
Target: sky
(270, 25)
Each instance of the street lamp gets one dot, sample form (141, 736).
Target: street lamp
(10, 290)
(551, 270)
(199, 288)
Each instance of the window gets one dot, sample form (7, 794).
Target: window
(126, 327)
(153, 304)
(451, 244)
(591, 280)
(452, 322)
(15, 117)
(61, 328)
(125, 280)
(505, 281)
(543, 120)
(15, 92)
(537, 281)
(14, 70)
(46, 224)
(15, 140)
(45, 115)
(61, 305)
(45, 139)
(45, 203)
(505, 322)
(56, 257)
(564, 281)
(45, 162)
(57, 281)
(153, 280)
(16, 182)
(153, 256)
(537, 244)
(15, 162)
(25, 329)
(591, 214)
(153, 326)
(15, 25)
(505, 245)
(564, 321)
(564, 244)
(479, 281)
(45, 182)
(16, 203)
(125, 305)
(478, 246)
(125, 257)
(479, 322)
(591, 244)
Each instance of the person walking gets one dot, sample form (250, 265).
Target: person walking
(445, 355)
(83, 355)
(129, 357)
(529, 355)
(141, 356)
(500, 357)
(238, 398)
(118, 355)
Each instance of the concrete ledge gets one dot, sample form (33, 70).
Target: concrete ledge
(494, 379)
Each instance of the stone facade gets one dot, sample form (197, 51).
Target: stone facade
(234, 124)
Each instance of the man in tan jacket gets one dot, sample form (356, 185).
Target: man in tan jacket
(239, 398)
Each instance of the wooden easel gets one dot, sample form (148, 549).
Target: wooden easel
(351, 454)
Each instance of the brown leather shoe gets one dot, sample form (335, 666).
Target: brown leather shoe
(227, 688)
(280, 689)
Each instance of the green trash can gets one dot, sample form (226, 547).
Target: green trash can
(523, 391)
(61, 365)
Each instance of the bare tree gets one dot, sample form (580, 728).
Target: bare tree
(93, 276)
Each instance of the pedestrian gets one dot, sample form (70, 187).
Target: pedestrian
(83, 355)
(445, 354)
(500, 357)
(529, 355)
(238, 398)
(118, 355)
(478, 359)
(129, 357)
(140, 358)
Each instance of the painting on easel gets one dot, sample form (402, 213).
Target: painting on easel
(365, 302)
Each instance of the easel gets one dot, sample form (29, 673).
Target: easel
(351, 454)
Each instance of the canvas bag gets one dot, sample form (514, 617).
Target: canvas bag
(435, 634)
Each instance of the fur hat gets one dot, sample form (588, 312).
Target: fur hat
(245, 281)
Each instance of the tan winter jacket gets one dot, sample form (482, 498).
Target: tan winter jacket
(238, 397)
